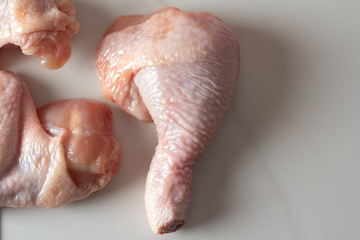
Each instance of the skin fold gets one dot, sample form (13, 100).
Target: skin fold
(60, 153)
(41, 28)
(178, 69)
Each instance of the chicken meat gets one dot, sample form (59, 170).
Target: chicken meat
(60, 153)
(178, 69)
(42, 28)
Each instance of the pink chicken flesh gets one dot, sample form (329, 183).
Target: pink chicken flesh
(42, 28)
(178, 69)
(63, 154)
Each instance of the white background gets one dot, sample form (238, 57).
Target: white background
(285, 162)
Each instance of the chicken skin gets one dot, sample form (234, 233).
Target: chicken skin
(62, 153)
(178, 69)
(41, 28)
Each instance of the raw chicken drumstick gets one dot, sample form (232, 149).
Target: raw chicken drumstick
(178, 69)
(42, 28)
(63, 154)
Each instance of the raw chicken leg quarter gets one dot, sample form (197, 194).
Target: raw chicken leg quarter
(178, 69)
(63, 154)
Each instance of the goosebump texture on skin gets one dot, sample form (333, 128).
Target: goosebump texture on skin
(178, 69)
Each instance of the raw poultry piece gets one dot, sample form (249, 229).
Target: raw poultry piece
(63, 154)
(178, 69)
(42, 28)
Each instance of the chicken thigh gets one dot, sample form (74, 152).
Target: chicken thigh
(63, 154)
(178, 69)
(42, 28)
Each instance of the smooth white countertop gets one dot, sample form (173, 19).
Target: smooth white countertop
(284, 164)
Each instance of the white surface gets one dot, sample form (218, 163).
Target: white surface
(285, 162)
